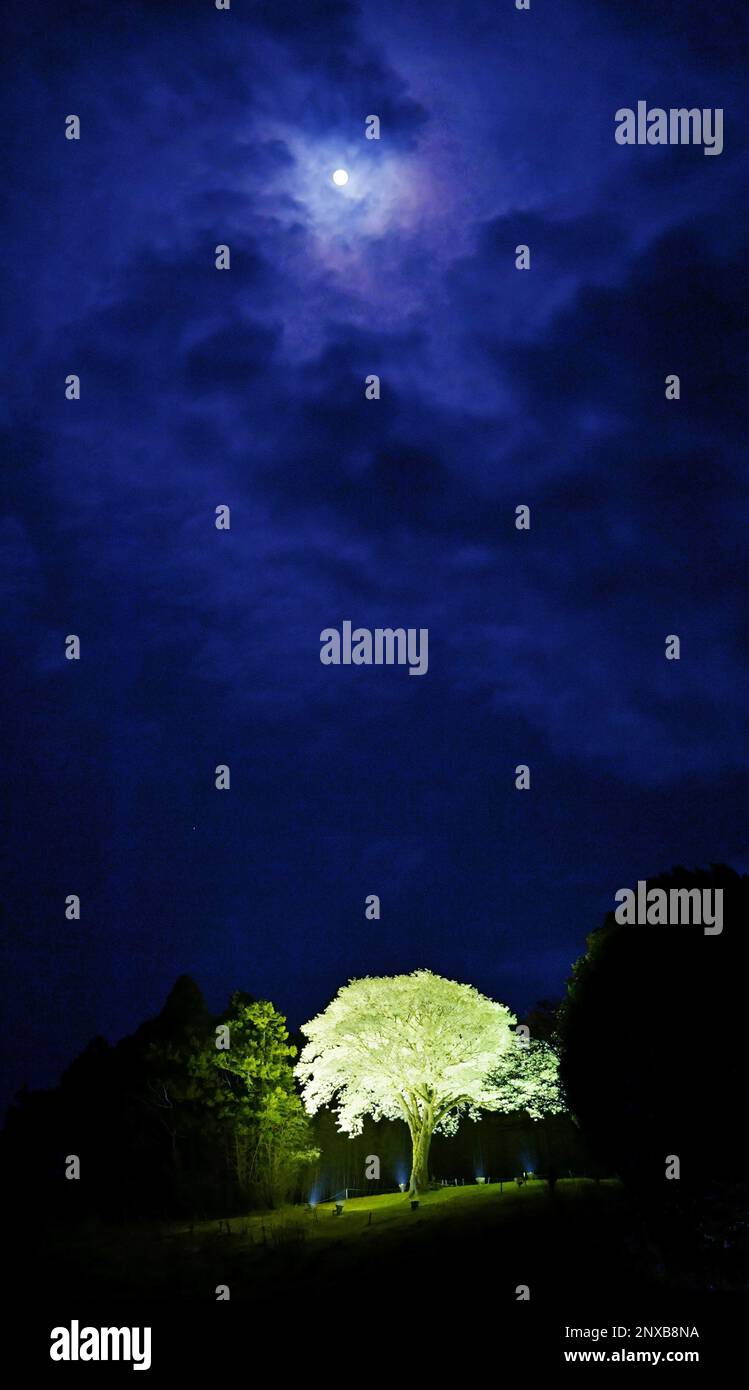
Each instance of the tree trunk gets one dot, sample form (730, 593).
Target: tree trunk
(421, 1138)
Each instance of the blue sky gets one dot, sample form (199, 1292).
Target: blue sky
(499, 387)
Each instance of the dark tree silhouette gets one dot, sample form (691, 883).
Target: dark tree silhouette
(654, 1040)
(654, 1064)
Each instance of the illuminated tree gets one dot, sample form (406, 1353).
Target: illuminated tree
(245, 1088)
(425, 1050)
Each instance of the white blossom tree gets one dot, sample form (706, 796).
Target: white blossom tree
(425, 1050)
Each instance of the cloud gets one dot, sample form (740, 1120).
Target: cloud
(246, 388)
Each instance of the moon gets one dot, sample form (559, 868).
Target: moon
(340, 177)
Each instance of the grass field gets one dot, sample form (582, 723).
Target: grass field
(519, 1235)
(351, 1295)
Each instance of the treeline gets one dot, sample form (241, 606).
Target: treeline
(177, 1120)
(168, 1124)
(652, 1040)
(654, 1061)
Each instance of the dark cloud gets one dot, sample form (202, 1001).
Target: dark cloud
(715, 36)
(246, 388)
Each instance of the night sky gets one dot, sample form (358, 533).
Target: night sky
(246, 388)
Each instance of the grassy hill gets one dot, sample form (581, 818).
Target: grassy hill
(515, 1236)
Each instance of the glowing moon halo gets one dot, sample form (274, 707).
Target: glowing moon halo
(340, 177)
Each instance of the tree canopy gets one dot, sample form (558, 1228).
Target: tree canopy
(425, 1050)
